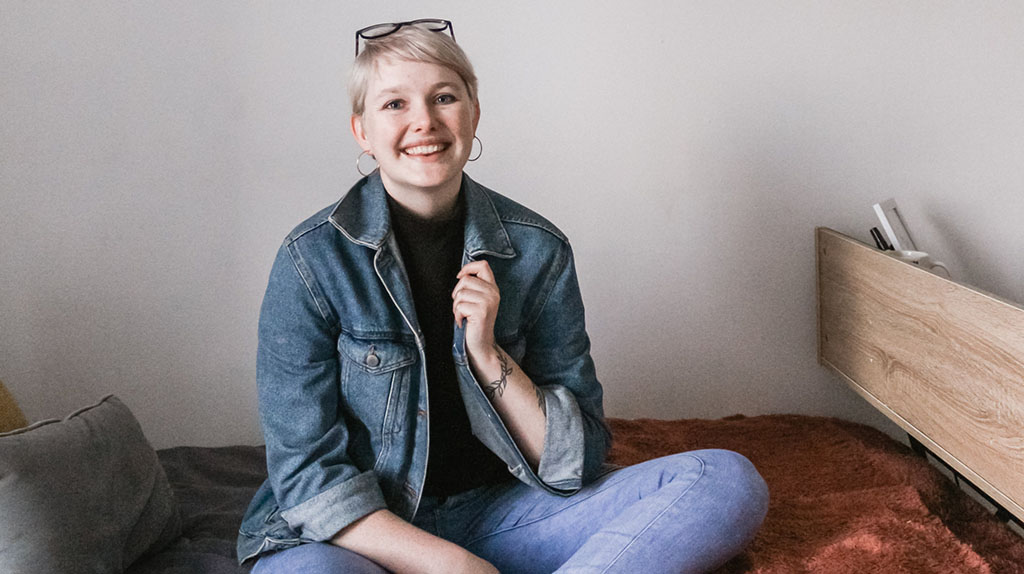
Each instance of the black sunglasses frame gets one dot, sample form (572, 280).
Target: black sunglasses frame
(388, 28)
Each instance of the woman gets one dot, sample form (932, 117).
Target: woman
(426, 389)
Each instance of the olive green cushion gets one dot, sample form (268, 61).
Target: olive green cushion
(10, 415)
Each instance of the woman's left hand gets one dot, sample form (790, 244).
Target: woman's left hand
(476, 299)
(519, 403)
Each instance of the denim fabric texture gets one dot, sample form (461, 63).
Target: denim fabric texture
(340, 366)
(685, 513)
(316, 558)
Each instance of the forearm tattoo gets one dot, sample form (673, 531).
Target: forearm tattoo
(497, 388)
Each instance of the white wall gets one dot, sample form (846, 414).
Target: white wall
(154, 154)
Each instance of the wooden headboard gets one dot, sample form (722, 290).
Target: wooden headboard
(942, 360)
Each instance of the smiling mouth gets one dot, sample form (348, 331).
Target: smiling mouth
(422, 150)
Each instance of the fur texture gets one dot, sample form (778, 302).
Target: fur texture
(846, 498)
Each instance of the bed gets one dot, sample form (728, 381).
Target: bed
(942, 360)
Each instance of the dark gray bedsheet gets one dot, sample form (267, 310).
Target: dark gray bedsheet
(213, 487)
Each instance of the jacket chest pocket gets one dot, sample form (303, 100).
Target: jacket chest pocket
(375, 383)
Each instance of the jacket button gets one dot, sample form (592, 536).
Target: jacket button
(372, 360)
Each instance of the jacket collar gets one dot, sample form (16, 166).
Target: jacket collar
(362, 216)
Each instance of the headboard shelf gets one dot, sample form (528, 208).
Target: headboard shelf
(941, 359)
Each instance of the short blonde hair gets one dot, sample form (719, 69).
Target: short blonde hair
(410, 43)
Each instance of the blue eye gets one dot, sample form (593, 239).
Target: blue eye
(445, 99)
(393, 105)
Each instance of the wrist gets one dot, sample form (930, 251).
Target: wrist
(453, 558)
(468, 563)
(487, 358)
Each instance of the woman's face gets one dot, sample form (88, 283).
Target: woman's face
(418, 122)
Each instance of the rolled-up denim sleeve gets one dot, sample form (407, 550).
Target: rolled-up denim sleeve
(559, 363)
(318, 489)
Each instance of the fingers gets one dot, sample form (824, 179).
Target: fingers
(477, 279)
(473, 297)
(474, 284)
(480, 269)
(476, 296)
(471, 310)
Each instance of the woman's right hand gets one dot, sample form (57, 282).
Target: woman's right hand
(403, 548)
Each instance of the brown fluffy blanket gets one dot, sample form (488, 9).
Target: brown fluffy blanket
(846, 498)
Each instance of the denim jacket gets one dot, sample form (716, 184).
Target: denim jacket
(341, 377)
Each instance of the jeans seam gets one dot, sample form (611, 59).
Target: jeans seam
(655, 519)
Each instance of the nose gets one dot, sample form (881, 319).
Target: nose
(423, 118)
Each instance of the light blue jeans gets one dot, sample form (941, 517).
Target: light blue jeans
(683, 513)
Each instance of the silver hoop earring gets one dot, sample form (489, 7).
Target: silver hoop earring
(360, 158)
(479, 153)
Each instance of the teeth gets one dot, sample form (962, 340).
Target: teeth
(424, 149)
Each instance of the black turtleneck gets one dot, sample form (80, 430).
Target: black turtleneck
(432, 252)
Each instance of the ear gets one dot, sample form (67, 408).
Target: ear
(359, 133)
(476, 114)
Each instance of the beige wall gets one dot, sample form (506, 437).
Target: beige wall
(153, 155)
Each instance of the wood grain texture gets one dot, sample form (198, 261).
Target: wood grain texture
(942, 360)
(11, 416)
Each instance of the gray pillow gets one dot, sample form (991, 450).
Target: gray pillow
(83, 494)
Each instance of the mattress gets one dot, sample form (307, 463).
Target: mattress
(845, 498)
